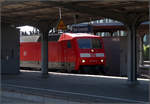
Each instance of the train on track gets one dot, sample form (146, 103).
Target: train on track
(66, 52)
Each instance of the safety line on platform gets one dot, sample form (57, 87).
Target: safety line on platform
(87, 75)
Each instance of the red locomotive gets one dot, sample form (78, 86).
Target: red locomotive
(69, 51)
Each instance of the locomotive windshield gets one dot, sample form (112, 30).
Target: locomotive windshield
(88, 43)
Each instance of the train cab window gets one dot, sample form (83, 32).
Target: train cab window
(68, 44)
(96, 44)
(88, 43)
(84, 43)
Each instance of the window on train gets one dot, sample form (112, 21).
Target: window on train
(69, 44)
(84, 43)
(89, 43)
(96, 44)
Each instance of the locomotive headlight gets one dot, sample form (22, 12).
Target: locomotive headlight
(102, 60)
(83, 61)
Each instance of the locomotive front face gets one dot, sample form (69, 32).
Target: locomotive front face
(91, 51)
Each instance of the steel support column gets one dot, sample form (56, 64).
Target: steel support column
(44, 30)
(44, 53)
(141, 50)
(132, 59)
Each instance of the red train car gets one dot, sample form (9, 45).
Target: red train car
(68, 51)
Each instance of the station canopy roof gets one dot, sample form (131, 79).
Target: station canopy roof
(32, 12)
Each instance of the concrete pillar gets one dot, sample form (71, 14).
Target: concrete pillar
(132, 59)
(44, 30)
(10, 58)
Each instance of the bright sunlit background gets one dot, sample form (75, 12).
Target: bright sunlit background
(26, 29)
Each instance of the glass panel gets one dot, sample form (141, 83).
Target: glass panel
(84, 43)
(69, 44)
(89, 43)
(96, 44)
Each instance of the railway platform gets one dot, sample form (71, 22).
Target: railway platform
(64, 88)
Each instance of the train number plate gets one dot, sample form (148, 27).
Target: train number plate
(93, 55)
(94, 61)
